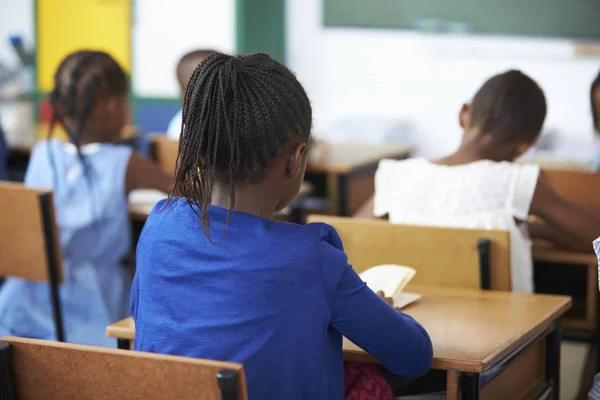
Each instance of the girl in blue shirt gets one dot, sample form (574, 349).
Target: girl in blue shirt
(218, 278)
(90, 179)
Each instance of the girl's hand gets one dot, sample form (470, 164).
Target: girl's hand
(388, 300)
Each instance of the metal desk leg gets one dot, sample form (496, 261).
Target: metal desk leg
(342, 195)
(124, 344)
(469, 386)
(553, 359)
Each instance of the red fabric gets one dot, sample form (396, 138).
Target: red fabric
(364, 382)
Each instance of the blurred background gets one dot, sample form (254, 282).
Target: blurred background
(401, 67)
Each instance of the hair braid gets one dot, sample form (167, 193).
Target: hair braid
(595, 114)
(239, 114)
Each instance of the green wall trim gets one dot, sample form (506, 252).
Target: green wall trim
(260, 27)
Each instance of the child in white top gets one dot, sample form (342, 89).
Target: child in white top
(480, 187)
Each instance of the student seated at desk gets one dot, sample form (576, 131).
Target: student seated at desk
(186, 65)
(480, 186)
(90, 180)
(218, 278)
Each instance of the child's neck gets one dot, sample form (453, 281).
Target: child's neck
(468, 153)
(250, 199)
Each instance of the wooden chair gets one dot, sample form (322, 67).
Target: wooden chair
(164, 151)
(580, 187)
(29, 241)
(466, 258)
(36, 369)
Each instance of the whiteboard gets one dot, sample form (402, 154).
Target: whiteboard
(163, 31)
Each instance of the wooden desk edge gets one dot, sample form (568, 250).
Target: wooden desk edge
(123, 329)
(549, 254)
(548, 320)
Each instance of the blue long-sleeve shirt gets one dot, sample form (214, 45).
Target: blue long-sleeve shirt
(274, 296)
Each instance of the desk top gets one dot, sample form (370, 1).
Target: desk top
(141, 202)
(343, 158)
(471, 330)
(547, 252)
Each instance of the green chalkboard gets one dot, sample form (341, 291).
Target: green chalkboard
(550, 18)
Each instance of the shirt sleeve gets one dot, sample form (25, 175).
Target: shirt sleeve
(395, 339)
(383, 188)
(523, 182)
(174, 129)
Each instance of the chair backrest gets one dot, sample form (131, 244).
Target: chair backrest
(29, 241)
(164, 151)
(441, 256)
(52, 370)
(580, 187)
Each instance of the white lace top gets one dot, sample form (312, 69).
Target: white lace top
(479, 195)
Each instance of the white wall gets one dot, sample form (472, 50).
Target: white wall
(165, 30)
(16, 18)
(424, 79)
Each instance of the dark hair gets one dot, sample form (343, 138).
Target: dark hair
(595, 116)
(239, 114)
(509, 106)
(81, 79)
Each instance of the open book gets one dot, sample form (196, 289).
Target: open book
(391, 280)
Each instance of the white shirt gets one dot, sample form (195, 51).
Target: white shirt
(174, 129)
(479, 195)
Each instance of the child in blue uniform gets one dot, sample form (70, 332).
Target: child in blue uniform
(218, 278)
(90, 179)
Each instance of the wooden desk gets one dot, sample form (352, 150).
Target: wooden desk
(349, 171)
(549, 162)
(477, 336)
(543, 252)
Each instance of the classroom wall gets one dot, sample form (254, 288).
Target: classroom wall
(16, 19)
(423, 79)
(160, 35)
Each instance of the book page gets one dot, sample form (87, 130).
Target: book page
(390, 279)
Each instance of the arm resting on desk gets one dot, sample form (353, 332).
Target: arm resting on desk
(561, 215)
(145, 174)
(395, 339)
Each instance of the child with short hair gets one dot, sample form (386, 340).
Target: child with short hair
(90, 178)
(480, 186)
(185, 67)
(218, 278)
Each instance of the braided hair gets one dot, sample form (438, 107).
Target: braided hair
(509, 106)
(595, 116)
(239, 114)
(83, 78)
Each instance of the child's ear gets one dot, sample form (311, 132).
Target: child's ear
(464, 116)
(296, 160)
